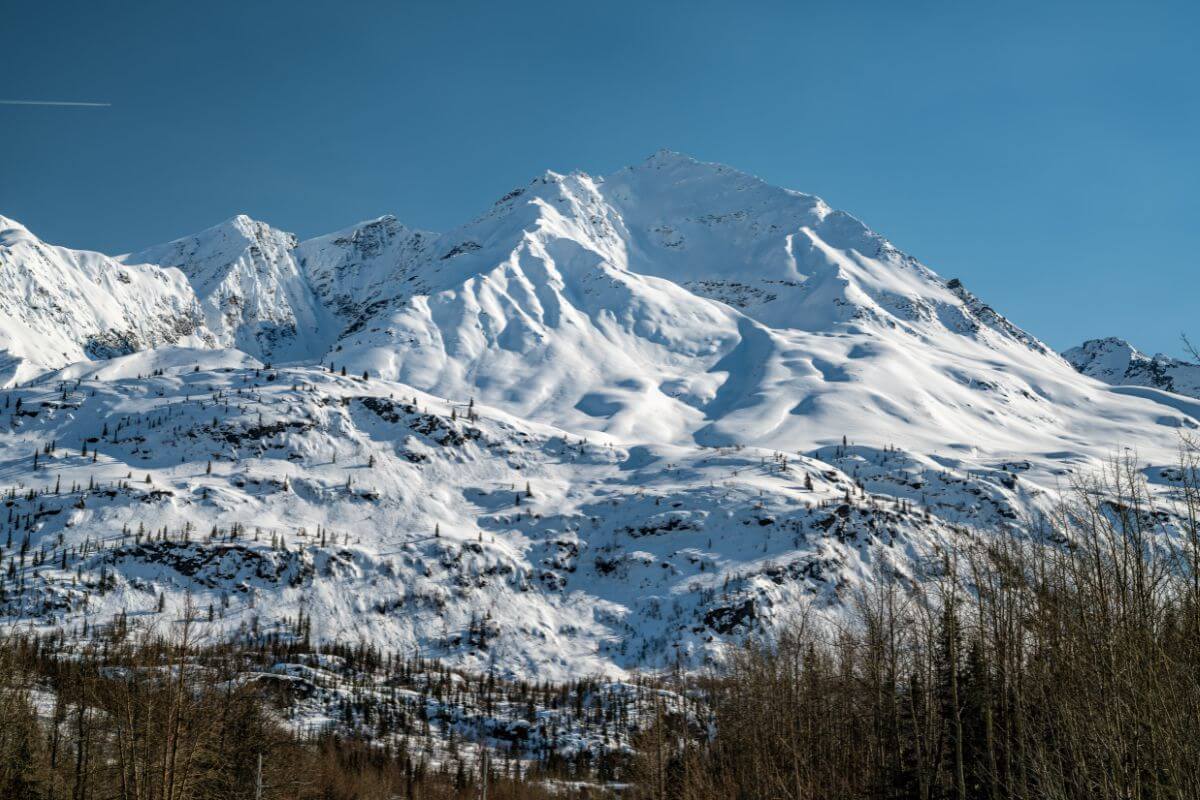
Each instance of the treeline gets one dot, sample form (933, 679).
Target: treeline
(1064, 665)
(164, 719)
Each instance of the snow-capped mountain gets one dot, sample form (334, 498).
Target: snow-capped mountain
(59, 305)
(608, 424)
(254, 294)
(1119, 363)
(686, 302)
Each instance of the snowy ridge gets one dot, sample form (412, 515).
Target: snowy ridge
(687, 302)
(59, 305)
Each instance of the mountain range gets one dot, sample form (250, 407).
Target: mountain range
(609, 424)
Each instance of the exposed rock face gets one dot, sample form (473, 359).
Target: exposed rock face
(1118, 362)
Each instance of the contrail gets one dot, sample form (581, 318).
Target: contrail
(52, 103)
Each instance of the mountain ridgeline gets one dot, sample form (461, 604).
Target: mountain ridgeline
(610, 424)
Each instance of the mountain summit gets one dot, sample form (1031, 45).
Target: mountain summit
(683, 301)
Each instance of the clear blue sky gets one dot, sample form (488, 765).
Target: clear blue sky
(1047, 153)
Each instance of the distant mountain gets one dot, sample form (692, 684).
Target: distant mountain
(611, 423)
(59, 305)
(1119, 363)
(275, 298)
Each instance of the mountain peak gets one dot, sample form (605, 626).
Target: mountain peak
(666, 157)
(221, 242)
(240, 220)
(1111, 349)
(354, 267)
(1116, 361)
(386, 225)
(673, 161)
(59, 305)
(8, 224)
(251, 289)
(247, 227)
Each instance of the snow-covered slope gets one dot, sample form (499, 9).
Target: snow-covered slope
(377, 511)
(610, 423)
(1117, 362)
(254, 294)
(59, 305)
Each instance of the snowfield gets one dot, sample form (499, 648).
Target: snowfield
(610, 425)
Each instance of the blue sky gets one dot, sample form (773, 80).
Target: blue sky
(1046, 153)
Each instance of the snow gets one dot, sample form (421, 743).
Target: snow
(665, 357)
